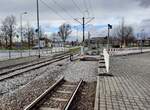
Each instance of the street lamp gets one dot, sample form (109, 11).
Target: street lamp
(21, 15)
(142, 39)
(38, 27)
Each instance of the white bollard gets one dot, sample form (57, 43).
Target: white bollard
(106, 58)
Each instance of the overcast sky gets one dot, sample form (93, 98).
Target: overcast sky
(55, 12)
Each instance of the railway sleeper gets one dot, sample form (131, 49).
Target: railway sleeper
(59, 98)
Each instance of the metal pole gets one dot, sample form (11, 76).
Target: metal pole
(122, 42)
(77, 33)
(142, 41)
(141, 45)
(142, 38)
(9, 53)
(83, 23)
(89, 40)
(108, 40)
(83, 30)
(83, 35)
(21, 30)
(21, 34)
(38, 26)
(76, 27)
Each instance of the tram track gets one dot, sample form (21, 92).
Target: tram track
(26, 68)
(58, 97)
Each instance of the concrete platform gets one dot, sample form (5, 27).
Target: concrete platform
(128, 88)
(117, 93)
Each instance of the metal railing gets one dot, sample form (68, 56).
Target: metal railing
(125, 51)
(12, 54)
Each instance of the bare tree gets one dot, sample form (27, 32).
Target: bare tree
(32, 37)
(1, 40)
(29, 34)
(129, 35)
(124, 34)
(64, 31)
(4, 35)
(8, 28)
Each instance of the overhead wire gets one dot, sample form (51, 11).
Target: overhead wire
(76, 5)
(86, 7)
(56, 12)
(63, 9)
(91, 7)
(85, 3)
(53, 10)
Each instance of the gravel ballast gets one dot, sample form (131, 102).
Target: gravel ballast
(17, 61)
(20, 91)
(86, 70)
(34, 84)
(85, 98)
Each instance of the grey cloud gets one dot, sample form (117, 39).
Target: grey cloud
(100, 8)
(144, 3)
(145, 24)
(146, 21)
(104, 11)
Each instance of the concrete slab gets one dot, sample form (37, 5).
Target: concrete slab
(128, 88)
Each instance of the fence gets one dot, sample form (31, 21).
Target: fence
(126, 51)
(107, 59)
(11, 54)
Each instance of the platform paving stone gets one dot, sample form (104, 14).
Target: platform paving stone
(129, 87)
